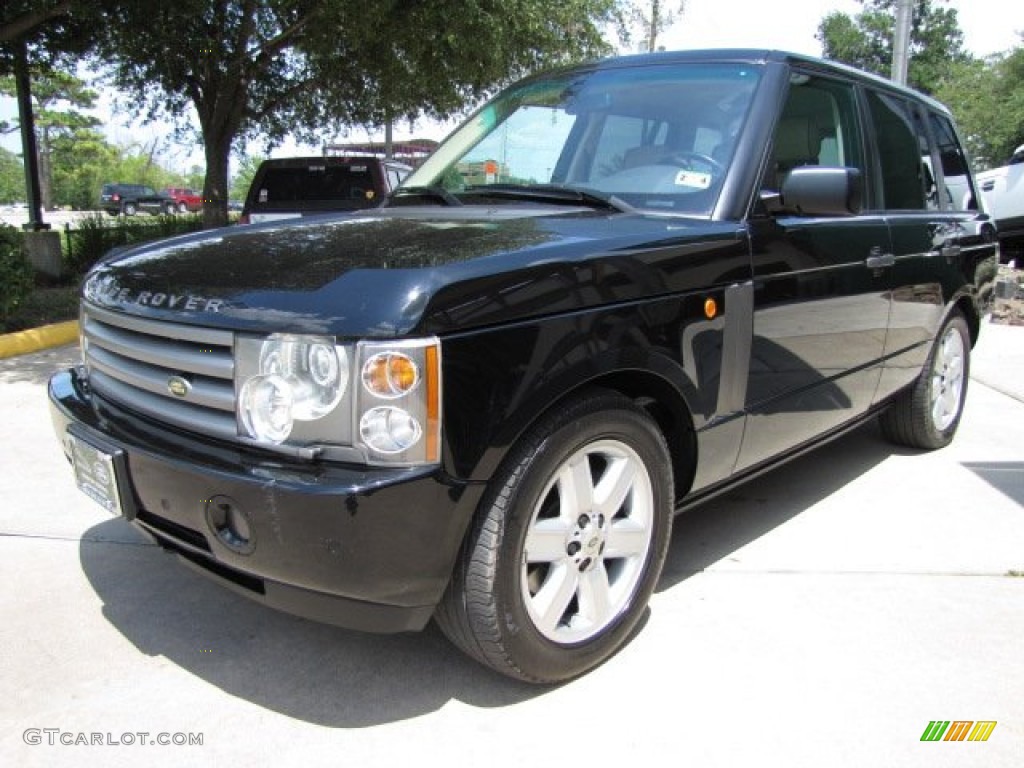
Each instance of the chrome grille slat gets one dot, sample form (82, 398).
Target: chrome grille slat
(132, 361)
(175, 355)
(190, 417)
(212, 394)
(160, 329)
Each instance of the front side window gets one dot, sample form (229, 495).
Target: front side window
(817, 127)
(655, 137)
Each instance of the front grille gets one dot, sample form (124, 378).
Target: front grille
(132, 361)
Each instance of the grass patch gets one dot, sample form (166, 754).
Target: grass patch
(1015, 574)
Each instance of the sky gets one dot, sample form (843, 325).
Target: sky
(782, 24)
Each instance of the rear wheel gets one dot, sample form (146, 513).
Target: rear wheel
(182, 208)
(129, 209)
(568, 546)
(927, 414)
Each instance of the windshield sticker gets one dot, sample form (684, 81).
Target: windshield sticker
(693, 179)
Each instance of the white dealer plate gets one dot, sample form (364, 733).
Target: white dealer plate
(94, 474)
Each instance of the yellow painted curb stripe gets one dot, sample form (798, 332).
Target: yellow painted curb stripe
(35, 339)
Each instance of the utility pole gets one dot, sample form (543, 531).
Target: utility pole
(28, 140)
(901, 40)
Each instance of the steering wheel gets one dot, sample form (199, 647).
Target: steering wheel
(685, 158)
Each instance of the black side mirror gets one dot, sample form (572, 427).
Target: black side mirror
(812, 190)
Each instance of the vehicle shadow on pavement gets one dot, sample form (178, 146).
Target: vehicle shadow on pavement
(313, 672)
(37, 368)
(712, 531)
(339, 678)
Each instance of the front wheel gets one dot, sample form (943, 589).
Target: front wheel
(567, 547)
(927, 414)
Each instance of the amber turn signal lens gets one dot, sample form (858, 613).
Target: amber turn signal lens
(710, 308)
(390, 375)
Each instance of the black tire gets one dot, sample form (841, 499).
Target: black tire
(129, 209)
(182, 208)
(597, 569)
(927, 414)
(170, 209)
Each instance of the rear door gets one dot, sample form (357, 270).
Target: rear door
(937, 232)
(821, 305)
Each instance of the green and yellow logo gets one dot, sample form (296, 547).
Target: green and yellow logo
(958, 730)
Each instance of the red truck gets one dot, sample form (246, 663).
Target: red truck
(185, 199)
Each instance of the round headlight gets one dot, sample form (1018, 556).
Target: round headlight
(266, 404)
(390, 375)
(316, 370)
(324, 367)
(389, 430)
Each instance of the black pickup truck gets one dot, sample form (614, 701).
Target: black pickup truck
(616, 291)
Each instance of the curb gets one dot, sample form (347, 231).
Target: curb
(35, 339)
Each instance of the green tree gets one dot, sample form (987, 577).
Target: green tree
(242, 179)
(271, 68)
(57, 98)
(51, 30)
(82, 162)
(12, 178)
(865, 40)
(987, 98)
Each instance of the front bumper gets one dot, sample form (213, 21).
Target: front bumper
(361, 547)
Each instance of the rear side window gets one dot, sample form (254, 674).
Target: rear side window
(338, 184)
(955, 181)
(908, 183)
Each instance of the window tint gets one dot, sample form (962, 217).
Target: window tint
(956, 179)
(907, 179)
(315, 183)
(818, 126)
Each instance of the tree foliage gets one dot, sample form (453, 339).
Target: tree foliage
(57, 101)
(55, 32)
(243, 176)
(12, 178)
(865, 41)
(271, 68)
(987, 98)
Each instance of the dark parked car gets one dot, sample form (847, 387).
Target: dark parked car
(285, 188)
(615, 292)
(129, 199)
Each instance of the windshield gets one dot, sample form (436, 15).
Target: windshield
(654, 137)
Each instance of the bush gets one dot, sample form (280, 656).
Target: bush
(15, 271)
(96, 235)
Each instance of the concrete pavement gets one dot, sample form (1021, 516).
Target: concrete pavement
(822, 615)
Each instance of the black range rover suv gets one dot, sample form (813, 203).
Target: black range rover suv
(614, 292)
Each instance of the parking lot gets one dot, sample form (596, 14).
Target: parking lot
(822, 615)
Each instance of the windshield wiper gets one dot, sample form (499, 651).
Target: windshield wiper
(555, 194)
(435, 192)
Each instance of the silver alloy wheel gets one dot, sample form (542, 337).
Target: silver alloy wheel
(947, 379)
(587, 542)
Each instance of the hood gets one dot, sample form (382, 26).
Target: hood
(393, 272)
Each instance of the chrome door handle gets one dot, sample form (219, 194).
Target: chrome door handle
(879, 260)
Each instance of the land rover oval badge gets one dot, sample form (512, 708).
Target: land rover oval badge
(178, 386)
